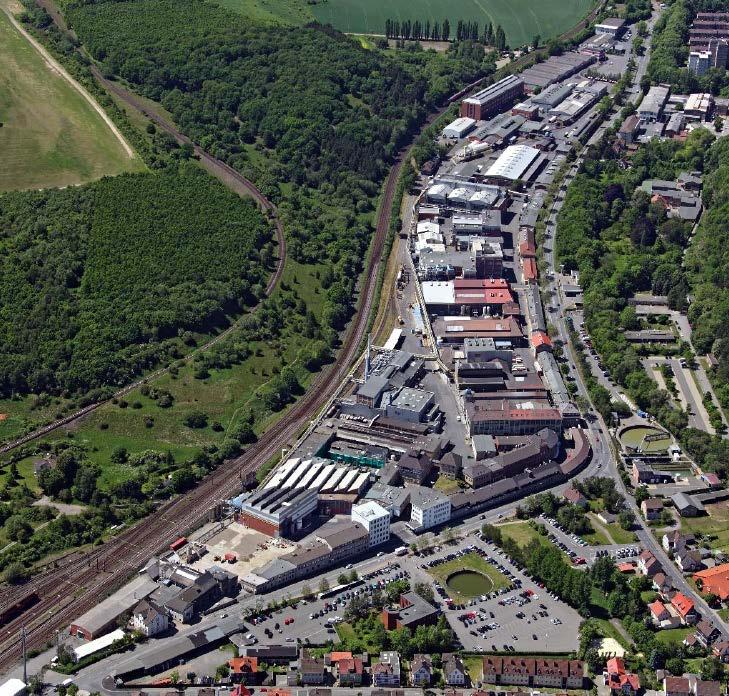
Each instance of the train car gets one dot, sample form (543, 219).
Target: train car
(178, 543)
(14, 610)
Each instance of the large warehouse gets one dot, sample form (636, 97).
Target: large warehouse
(513, 162)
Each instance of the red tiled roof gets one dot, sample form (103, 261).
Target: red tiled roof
(682, 604)
(342, 655)
(715, 580)
(238, 665)
(350, 665)
(539, 338)
(657, 608)
(526, 250)
(676, 685)
(530, 269)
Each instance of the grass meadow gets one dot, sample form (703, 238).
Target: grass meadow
(50, 135)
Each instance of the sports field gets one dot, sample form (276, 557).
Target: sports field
(521, 19)
(50, 135)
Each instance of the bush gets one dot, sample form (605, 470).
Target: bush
(196, 419)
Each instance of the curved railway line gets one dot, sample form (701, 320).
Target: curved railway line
(81, 580)
(235, 181)
(75, 586)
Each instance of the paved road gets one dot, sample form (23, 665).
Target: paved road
(598, 430)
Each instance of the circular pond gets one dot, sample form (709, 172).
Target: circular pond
(469, 583)
(645, 439)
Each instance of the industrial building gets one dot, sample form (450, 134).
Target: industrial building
(375, 519)
(698, 106)
(480, 260)
(97, 621)
(487, 296)
(513, 162)
(494, 98)
(552, 95)
(459, 128)
(290, 498)
(651, 108)
(612, 26)
(333, 544)
(555, 69)
(411, 405)
(429, 508)
(505, 331)
(585, 94)
(507, 417)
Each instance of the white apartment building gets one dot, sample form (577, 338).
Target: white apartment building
(375, 519)
(429, 508)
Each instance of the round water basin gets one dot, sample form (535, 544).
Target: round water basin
(469, 583)
(645, 439)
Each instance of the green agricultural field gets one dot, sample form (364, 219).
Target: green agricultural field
(50, 135)
(521, 19)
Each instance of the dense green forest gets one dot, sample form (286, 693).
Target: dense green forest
(307, 113)
(670, 49)
(97, 282)
(707, 267)
(621, 244)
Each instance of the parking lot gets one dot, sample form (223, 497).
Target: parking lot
(314, 621)
(577, 548)
(505, 620)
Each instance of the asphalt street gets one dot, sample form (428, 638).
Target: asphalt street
(598, 429)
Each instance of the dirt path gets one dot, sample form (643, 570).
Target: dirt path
(57, 68)
(621, 630)
(596, 523)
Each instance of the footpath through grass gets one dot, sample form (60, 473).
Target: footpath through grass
(50, 135)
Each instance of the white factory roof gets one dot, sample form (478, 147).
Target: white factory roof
(323, 476)
(282, 472)
(439, 190)
(95, 645)
(346, 481)
(359, 482)
(460, 194)
(311, 472)
(513, 162)
(332, 482)
(12, 687)
(438, 292)
(428, 226)
(485, 197)
(460, 124)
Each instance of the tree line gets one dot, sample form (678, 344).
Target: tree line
(436, 31)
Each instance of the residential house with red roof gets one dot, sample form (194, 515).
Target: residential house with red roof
(685, 608)
(618, 679)
(715, 581)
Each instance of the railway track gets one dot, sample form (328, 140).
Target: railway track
(231, 178)
(106, 568)
(67, 592)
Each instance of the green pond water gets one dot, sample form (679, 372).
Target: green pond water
(469, 583)
(633, 437)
